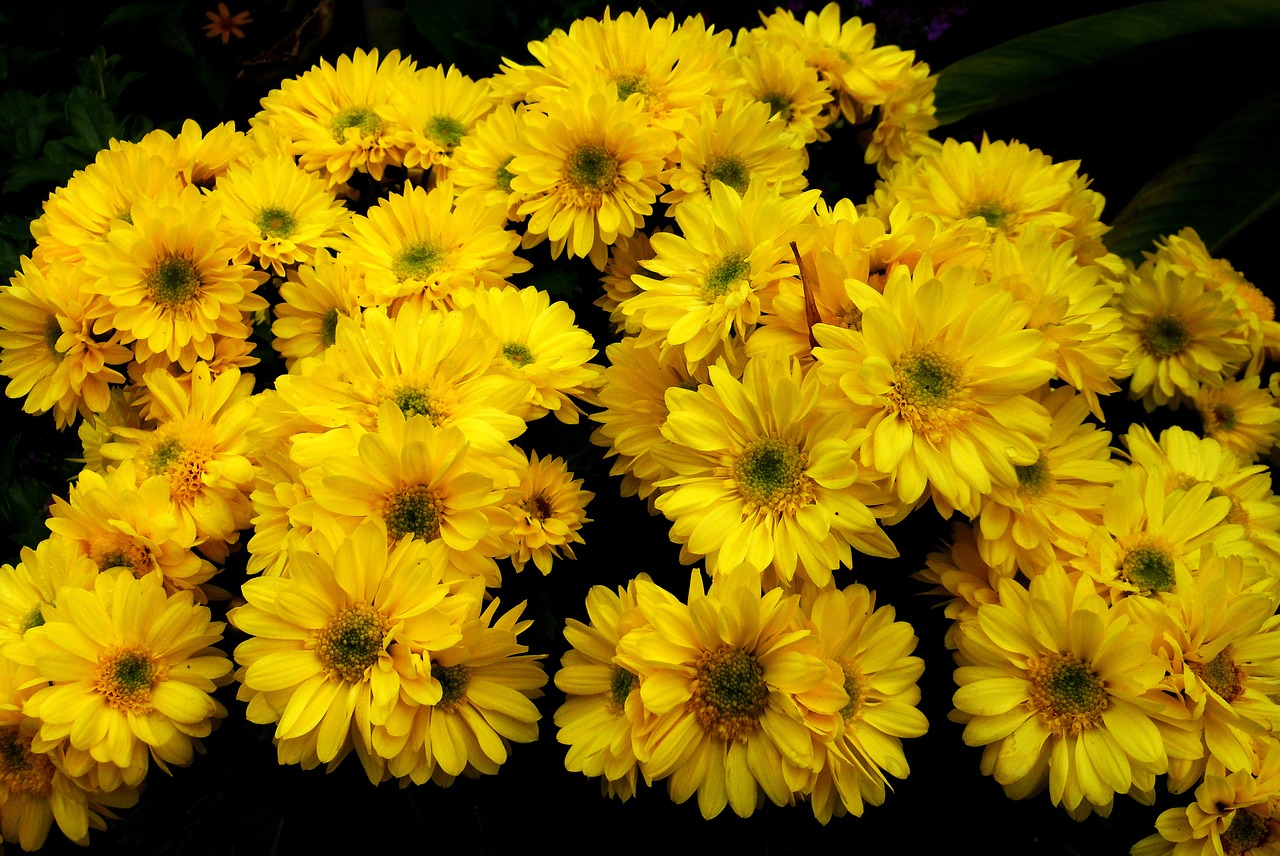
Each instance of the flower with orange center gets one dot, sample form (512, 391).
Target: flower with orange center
(222, 24)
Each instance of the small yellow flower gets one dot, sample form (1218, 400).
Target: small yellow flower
(223, 23)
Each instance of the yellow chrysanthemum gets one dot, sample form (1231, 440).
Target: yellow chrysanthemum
(478, 165)
(1241, 415)
(131, 670)
(957, 571)
(739, 690)
(435, 111)
(1060, 691)
(773, 71)
(602, 720)
(196, 157)
(24, 590)
(169, 283)
(589, 168)
(939, 375)
(624, 262)
(313, 298)
(764, 476)
(547, 508)
(906, 117)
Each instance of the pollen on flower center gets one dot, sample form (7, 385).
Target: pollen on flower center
(927, 392)
(418, 401)
(362, 118)
(453, 684)
(446, 130)
(174, 281)
(732, 171)
(591, 169)
(1033, 479)
(993, 212)
(1222, 675)
(22, 770)
(538, 506)
(621, 683)
(351, 642)
(276, 222)
(126, 677)
(329, 327)
(181, 450)
(53, 332)
(517, 354)
(779, 105)
(724, 273)
(1247, 832)
(770, 473)
(417, 261)
(729, 693)
(1066, 694)
(120, 551)
(630, 84)
(1165, 336)
(413, 510)
(1149, 567)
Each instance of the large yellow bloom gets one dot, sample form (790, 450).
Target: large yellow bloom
(435, 111)
(763, 477)
(312, 300)
(24, 590)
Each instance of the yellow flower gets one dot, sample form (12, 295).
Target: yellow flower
(1240, 415)
(478, 165)
(958, 572)
(547, 508)
(624, 262)
(313, 298)
(773, 71)
(199, 158)
(24, 590)
(1060, 691)
(763, 476)
(906, 117)
(131, 670)
(435, 111)
(225, 25)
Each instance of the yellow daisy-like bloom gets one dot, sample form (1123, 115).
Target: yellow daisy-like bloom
(280, 214)
(1058, 499)
(96, 431)
(24, 590)
(547, 508)
(334, 115)
(906, 117)
(589, 168)
(169, 284)
(542, 346)
(199, 158)
(35, 788)
(419, 480)
(277, 492)
(466, 706)
(478, 165)
(739, 689)
(1182, 330)
(771, 70)
(423, 247)
(602, 719)
(764, 477)
(738, 145)
(199, 446)
(333, 641)
(874, 653)
(727, 266)
(1241, 415)
(624, 262)
(1011, 186)
(313, 298)
(435, 111)
(940, 375)
(47, 346)
(957, 571)
(121, 521)
(131, 670)
(1060, 691)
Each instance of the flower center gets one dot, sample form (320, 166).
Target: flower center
(1247, 832)
(592, 169)
(779, 105)
(1066, 694)
(417, 261)
(849, 318)
(993, 212)
(1165, 336)
(1221, 418)
(173, 281)
(117, 550)
(52, 333)
(1222, 675)
(1149, 567)
(413, 510)
(453, 684)
(351, 642)
(729, 693)
(517, 354)
(363, 119)
(1033, 479)
(446, 130)
(275, 222)
(21, 770)
(1238, 513)
(852, 686)
(538, 506)
(505, 175)
(770, 473)
(181, 450)
(928, 393)
(126, 677)
(723, 274)
(732, 171)
(418, 401)
(329, 327)
(621, 683)
(630, 84)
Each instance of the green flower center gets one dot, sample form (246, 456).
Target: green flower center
(1033, 479)
(53, 332)
(446, 130)
(621, 683)
(993, 212)
(413, 510)
(329, 327)
(165, 453)
(351, 642)
(729, 693)
(276, 222)
(125, 678)
(363, 119)
(1149, 567)
(416, 401)
(1165, 336)
(1247, 832)
(770, 472)
(779, 105)
(592, 169)
(174, 281)
(630, 84)
(1222, 418)
(1222, 675)
(517, 354)
(732, 171)
(417, 261)
(1066, 693)
(21, 770)
(453, 684)
(505, 175)
(724, 273)
(926, 379)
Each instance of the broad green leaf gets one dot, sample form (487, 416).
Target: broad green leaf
(1229, 179)
(1046, 59)
(91, 119)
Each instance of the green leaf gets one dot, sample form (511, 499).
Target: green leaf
(92, 121)
(138, 11)
(171, 31)
(1228, 179)
(1045, 60)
